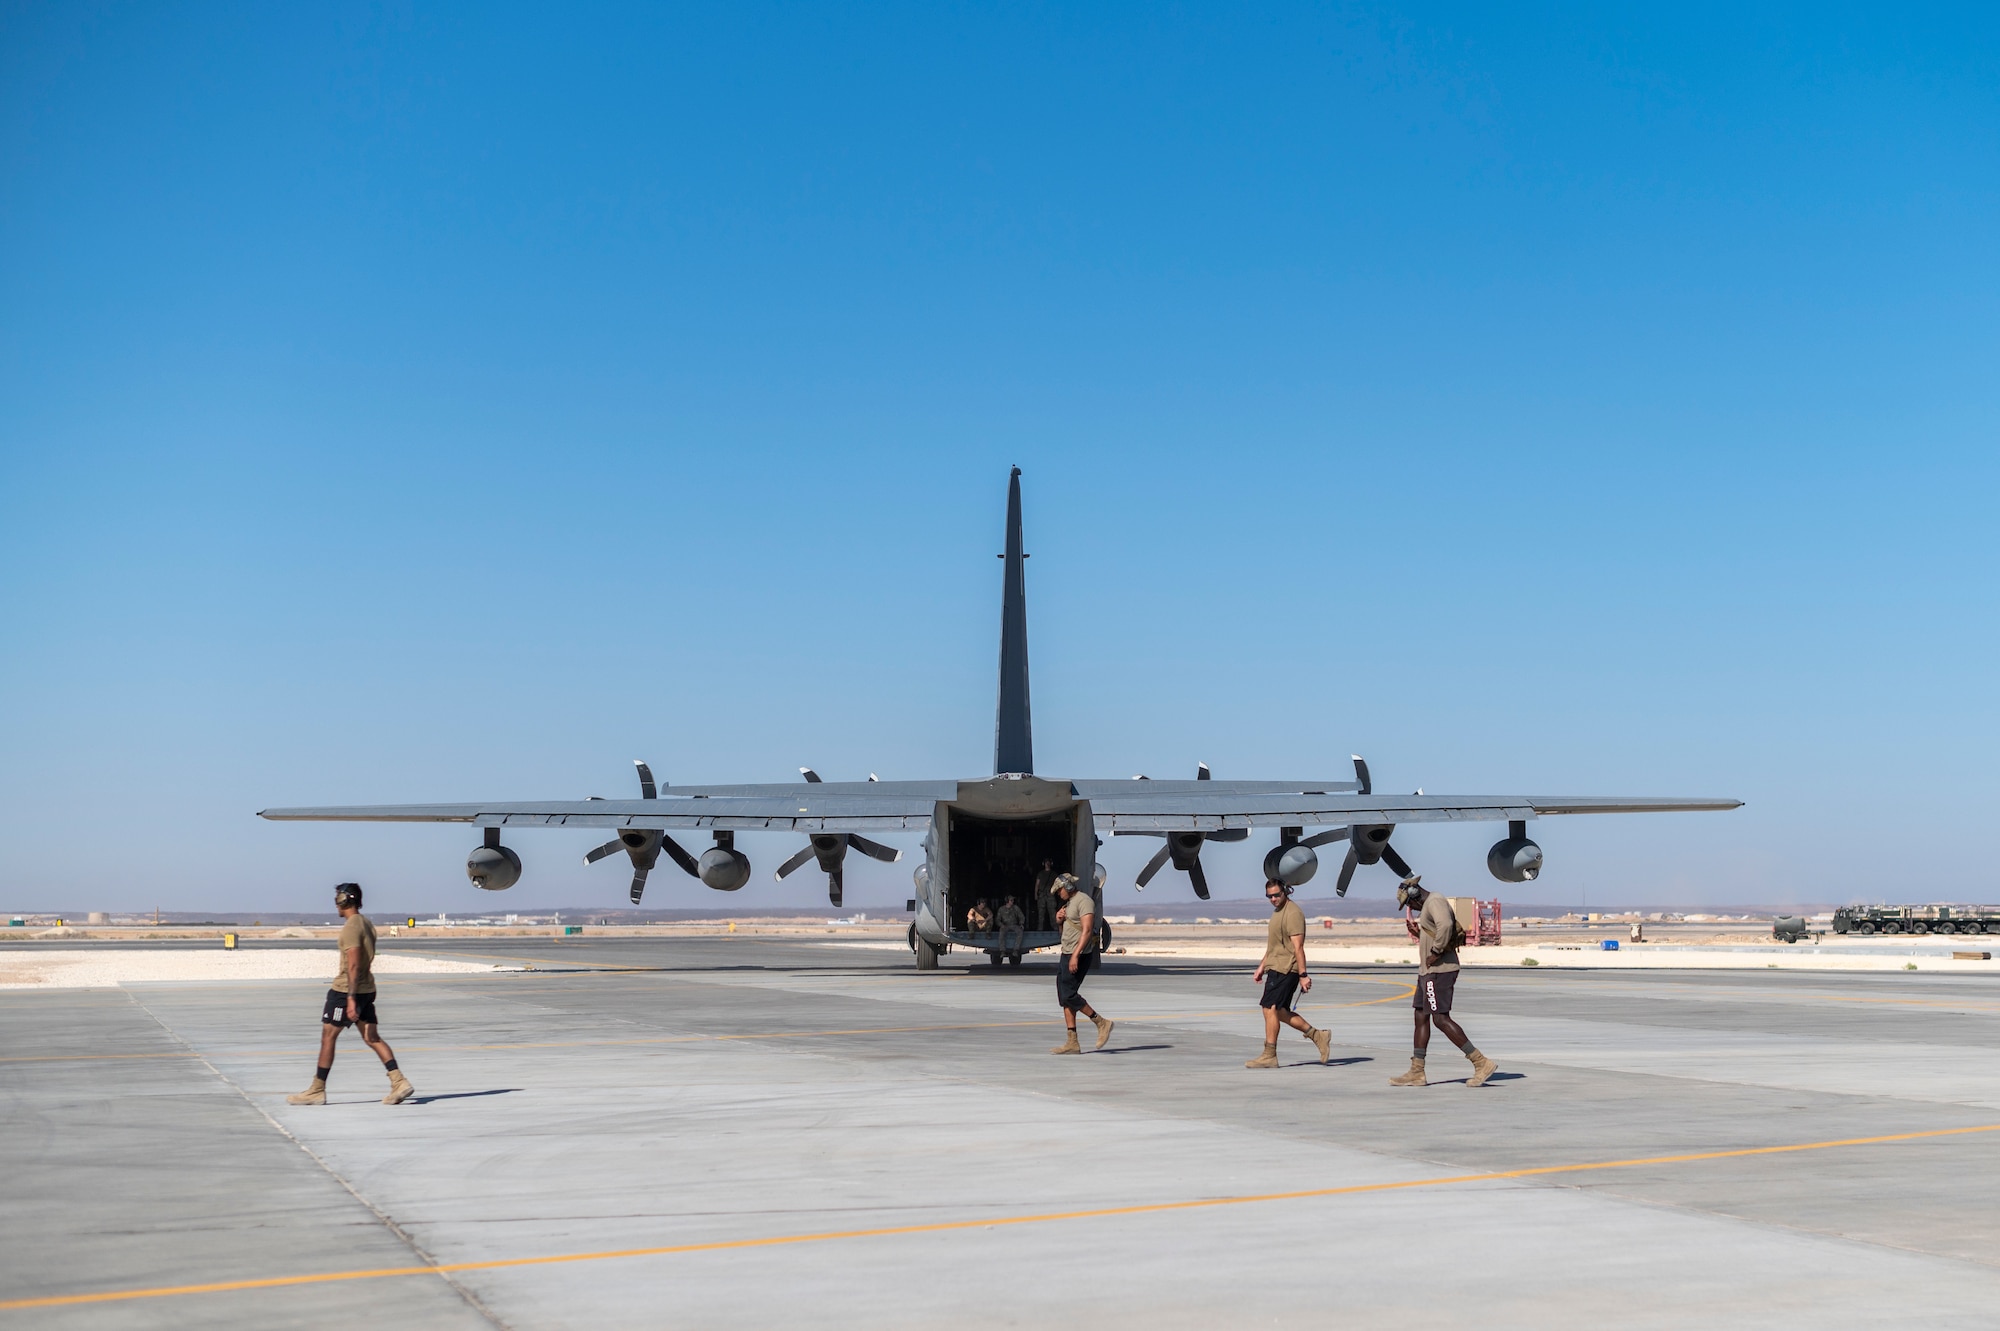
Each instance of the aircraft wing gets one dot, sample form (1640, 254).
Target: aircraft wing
(780, 810)
(891, 806)
(1144, 810)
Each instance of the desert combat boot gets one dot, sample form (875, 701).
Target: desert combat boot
(1072, 1047)
(1322, 1041)
(1482, 1068)
(1104, 1025)
(1414, 1077)
(314, 1094)
(399, 1088)
(1267, 1059)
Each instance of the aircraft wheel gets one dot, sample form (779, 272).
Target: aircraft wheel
(993, 957)
(1103, 935)
(1015, 960)
(927, 956)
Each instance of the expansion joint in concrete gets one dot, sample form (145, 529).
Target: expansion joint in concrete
(403, 1236)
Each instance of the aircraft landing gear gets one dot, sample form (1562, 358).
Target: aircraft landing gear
(1014, 960)
(993, 957)
(927, 956)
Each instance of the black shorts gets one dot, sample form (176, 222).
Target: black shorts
(1434, 992)
(1280, 988)
(335, 1012)
(1067, 985)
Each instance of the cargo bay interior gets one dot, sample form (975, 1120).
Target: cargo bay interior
(995, 858)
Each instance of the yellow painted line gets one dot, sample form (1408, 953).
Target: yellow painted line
(1914, 1002)
(1408, 989)
(75, 1058)
(939, 1227)
(679, 1039)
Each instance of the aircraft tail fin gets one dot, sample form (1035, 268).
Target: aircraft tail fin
(1013, 733)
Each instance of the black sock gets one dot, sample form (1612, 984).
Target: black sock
(321, 1074)
(390, 1065)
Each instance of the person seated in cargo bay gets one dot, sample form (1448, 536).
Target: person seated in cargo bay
(1012, 921)
(979, 920)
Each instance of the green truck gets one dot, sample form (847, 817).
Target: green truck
(1917, 920)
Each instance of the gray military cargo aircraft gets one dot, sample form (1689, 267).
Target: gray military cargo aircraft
(986, 839)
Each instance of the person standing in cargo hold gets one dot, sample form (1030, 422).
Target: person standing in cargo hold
(1283, 972)
(1079, 955)
(1438, 938)
(1047, 905)
(351, 1002)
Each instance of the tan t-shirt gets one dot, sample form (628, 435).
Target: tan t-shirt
(1287, 922)
(1434, 927)
(1073, 913)
(358, 932)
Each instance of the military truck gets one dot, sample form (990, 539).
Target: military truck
(1933, 919)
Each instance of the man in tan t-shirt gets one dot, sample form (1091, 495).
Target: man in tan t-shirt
(1283, 971)
(1079, 954)
(1438, 935)
(351, 1002)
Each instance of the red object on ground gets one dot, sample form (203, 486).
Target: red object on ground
(1485, 930)
(1488, 931)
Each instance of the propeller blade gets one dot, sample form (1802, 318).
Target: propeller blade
(1361, 774)
(1154, 865)
(647, 789)
(639, 884)
(1229, 834)
(1326, 838)
(680, 856)
(798, 860)
(1198, 878)
(1201, 771)
(1397, 862)
(812, 777)
(1347, 870)
(874, 850)
(608, 848)
(833, 887)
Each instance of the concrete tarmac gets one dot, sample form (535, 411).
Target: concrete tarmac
(741, 1132)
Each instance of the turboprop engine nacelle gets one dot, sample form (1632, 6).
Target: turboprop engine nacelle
(493, 867)
(1515, 860)
(724, 868)
(1292, 865)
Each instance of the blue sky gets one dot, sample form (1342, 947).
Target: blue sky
(442, 403)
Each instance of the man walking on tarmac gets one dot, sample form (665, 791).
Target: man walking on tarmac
(1283, 971)
(1438, 937)
(1079, 954)
(351, 1002)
